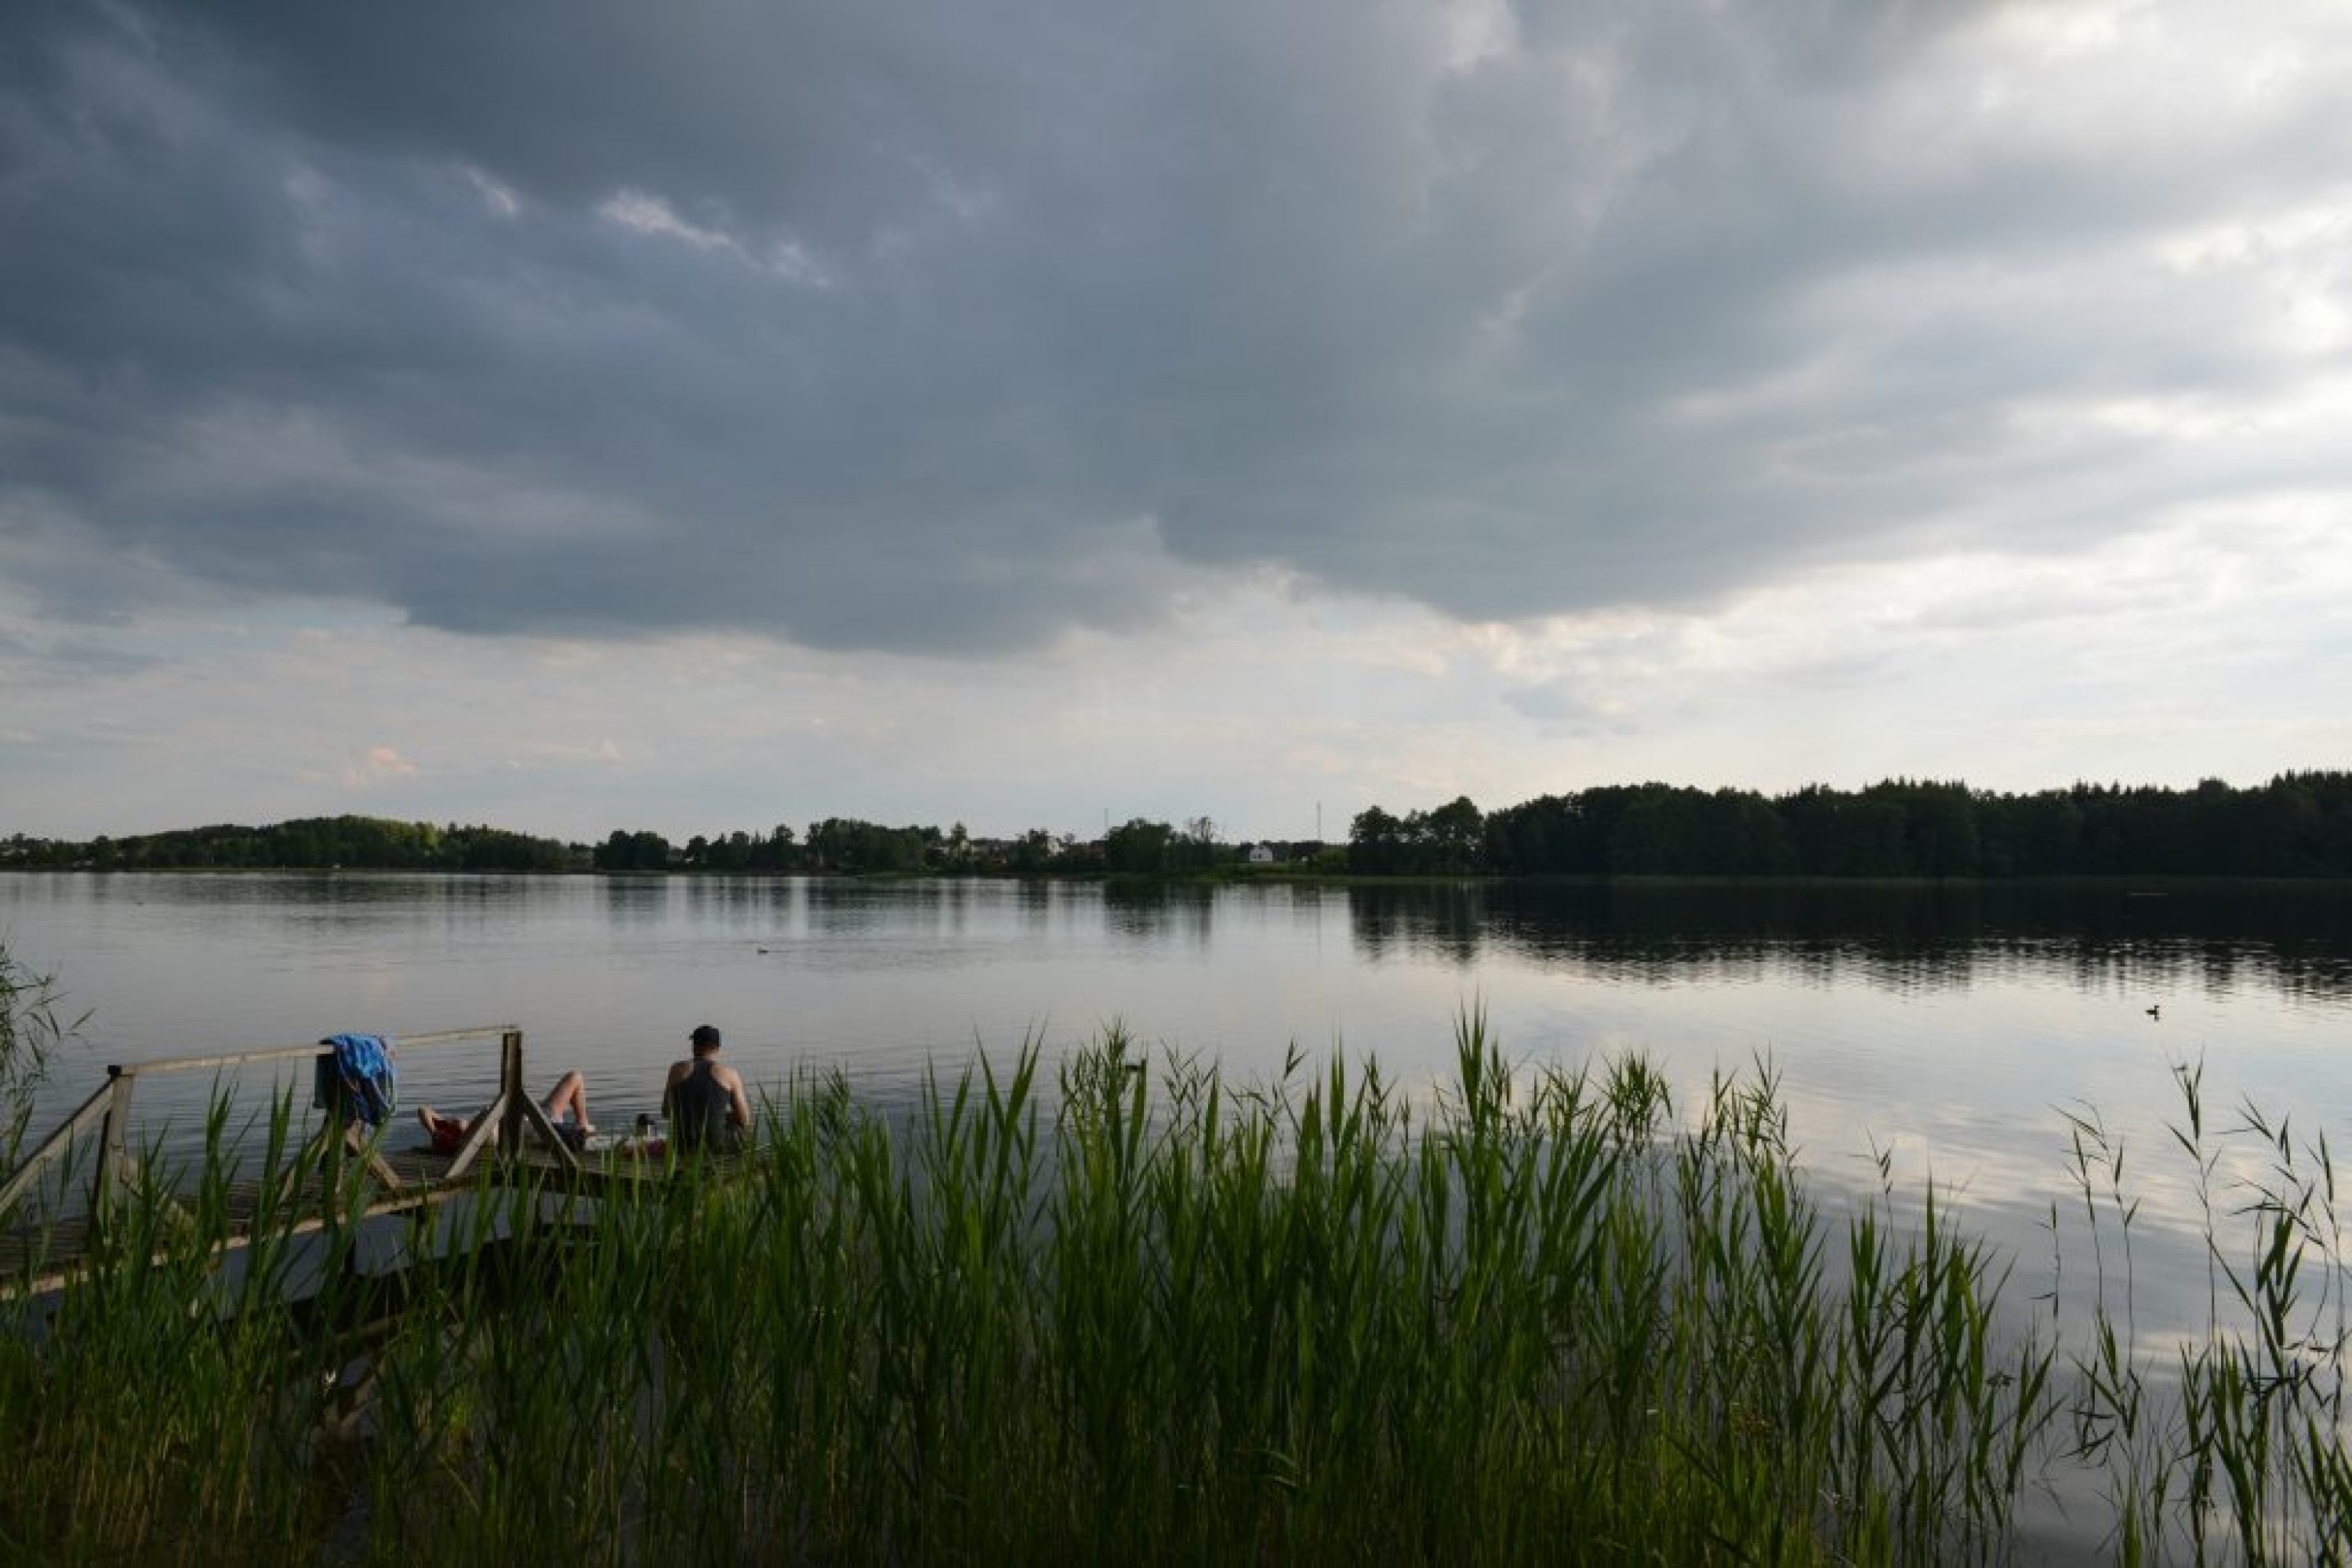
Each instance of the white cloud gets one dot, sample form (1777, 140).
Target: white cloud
(646, 214)
(651, 215)
(496, 195)
(379, 765)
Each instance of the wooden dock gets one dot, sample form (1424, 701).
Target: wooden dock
(333, 1177)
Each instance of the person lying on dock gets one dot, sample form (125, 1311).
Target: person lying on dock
(566, 1106)
(705, 1099)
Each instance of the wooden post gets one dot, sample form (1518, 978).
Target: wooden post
(485, 1135)
(518, 1113)
(512, 1095)
(114, 1166)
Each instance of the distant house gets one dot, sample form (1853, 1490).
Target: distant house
(1261, 855)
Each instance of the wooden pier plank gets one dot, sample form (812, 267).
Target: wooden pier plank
(38, 1258)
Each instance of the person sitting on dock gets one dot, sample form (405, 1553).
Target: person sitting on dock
(566, 1106)
(705, 1099)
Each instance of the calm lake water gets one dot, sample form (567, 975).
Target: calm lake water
(1949, 1031)
(1945, 1027)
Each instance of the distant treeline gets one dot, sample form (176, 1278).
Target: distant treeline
(2297, 825)
(372, 843)
(847, 846)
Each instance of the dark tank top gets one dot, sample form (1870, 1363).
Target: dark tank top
(699, 1109)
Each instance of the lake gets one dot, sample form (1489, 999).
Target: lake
(1945, 1028)
(1947, 1032)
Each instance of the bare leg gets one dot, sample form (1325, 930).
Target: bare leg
(569, 1096)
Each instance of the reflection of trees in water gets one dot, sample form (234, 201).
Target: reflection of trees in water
(1034, 899)
(844, 905)
(1159, 912)
(2218, 964)
(948, 902)
(1450, 920)
(1309, 902)
(764, 905)
(634, 900)
(317, 903)
(2297, 939)
(311, 903)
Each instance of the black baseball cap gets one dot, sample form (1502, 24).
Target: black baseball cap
(704, 1034)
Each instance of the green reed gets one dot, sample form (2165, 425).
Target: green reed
(2235, 1449)
(31, 1031)
(1131, 1310)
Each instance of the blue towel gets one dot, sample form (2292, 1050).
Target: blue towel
(358, 1077)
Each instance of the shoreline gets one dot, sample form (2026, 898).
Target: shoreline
(2156, 883)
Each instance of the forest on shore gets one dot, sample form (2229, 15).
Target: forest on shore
(2295, 825)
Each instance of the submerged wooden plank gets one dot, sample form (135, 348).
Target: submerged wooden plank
(38, 1258)
(55, 1145)
(36, 1247)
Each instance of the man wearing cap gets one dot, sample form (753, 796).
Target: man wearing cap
(705, 1099)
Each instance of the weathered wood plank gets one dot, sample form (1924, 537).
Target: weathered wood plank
(35, 1259)
(311, 1050)
(55, 1145)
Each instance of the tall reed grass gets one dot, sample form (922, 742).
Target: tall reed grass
(1140, 1312)
(2232, 1446)
(30, 1032)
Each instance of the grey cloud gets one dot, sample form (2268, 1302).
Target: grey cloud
(1021, 309)
(1568, 707)
(27, 662)
(80, 657)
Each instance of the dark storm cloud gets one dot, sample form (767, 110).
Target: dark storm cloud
(928, 326)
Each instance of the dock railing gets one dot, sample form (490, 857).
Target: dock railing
(338, 1144)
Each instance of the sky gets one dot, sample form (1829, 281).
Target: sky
(581, 414)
